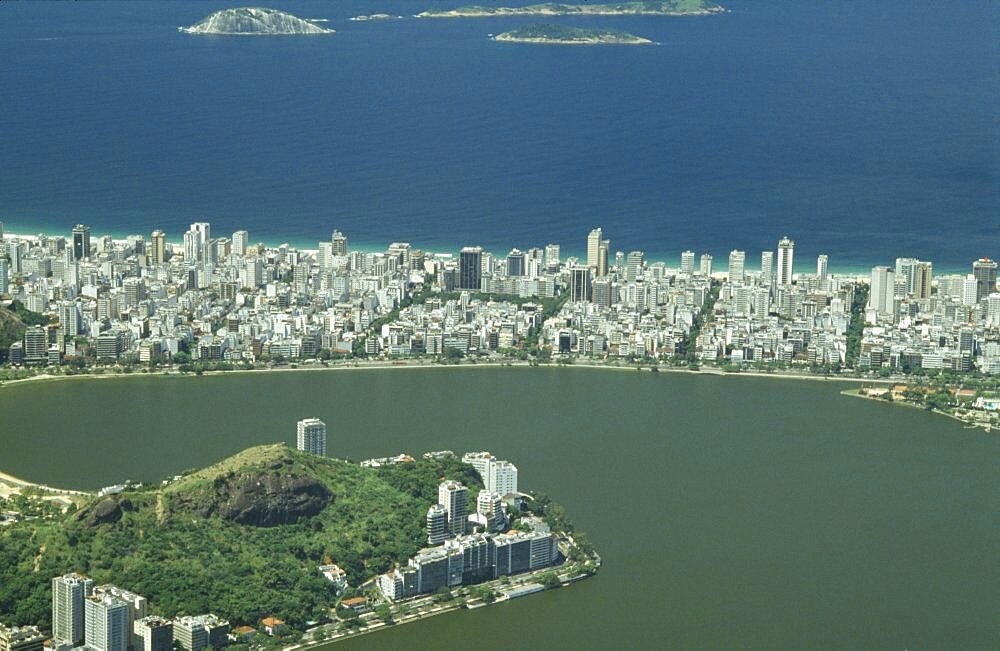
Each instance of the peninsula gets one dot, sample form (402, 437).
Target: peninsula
(341, 547)
(254, 21)
(561, 35)
(644, 8)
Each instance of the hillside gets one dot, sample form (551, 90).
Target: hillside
(13, 322)
(254, 21)
(241, 538)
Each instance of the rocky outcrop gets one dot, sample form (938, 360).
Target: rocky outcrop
(260, 498)
(107, 510)
(254, 20)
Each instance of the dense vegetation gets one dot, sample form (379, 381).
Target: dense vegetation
(155, 541)
(570, 34)
(14, 320)
(856, 329)
(666, 7)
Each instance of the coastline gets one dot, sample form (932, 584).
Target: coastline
(417, 364)
(15, 483)
(965, 423)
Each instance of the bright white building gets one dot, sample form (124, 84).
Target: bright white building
(311, 436)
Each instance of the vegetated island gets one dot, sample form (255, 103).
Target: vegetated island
(359, 19)
(641, 8)
(561, 35)
(256, 536)
(253, 21)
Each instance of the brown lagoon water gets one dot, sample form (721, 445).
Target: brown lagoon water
(729, 511)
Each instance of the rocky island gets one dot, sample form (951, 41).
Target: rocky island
(254, 21)
(358, 19)
(560, 35)
(641, 8)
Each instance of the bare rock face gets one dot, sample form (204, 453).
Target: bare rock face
(254, 21)
(107, 510)
(262, 498)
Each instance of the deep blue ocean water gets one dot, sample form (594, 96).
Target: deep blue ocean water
(864, 130)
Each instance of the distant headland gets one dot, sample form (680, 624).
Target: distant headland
(254, 21)
(642, 8)
(561, 35)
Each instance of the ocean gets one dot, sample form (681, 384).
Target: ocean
(865, 131)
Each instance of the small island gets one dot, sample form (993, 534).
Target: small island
(561, 35)
(253, 21)
(641, 8)
(359, 19)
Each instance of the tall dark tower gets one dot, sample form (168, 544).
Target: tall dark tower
(470, 268)
(984, 271)
(81, 242)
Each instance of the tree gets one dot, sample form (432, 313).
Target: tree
(384, 612)
(486, 594)
(549, 580)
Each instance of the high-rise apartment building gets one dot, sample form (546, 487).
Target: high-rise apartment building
(984, 271)
(705, 267)
(634, 265)
(502, 478)
(153, 634)
(767, 267)
(454, 497)
(602, 258)
(137, 607)
(437, 524)
(601, 292)
(4, 276)
(339, 241)
(68, 594)
(106, 623)
(786, 261)
(311, 436)
(470, 268)
(196, 632)
(81, 242)
(552, 260)
(158, 246)
(687, 262)
(579, 283)
(515, 263)
(737, 266)
(594, 240)
(241, 240)
(882, 292)
(822, 265)
(922, 278)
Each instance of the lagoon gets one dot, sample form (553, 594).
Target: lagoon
(728, 510)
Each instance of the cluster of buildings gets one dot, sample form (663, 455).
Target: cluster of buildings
(220, 298)
(108, 618)
(213, 298)
(916, 320)
(471, 543)
(773, 315)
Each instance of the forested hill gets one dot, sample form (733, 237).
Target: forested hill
(242, 538)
